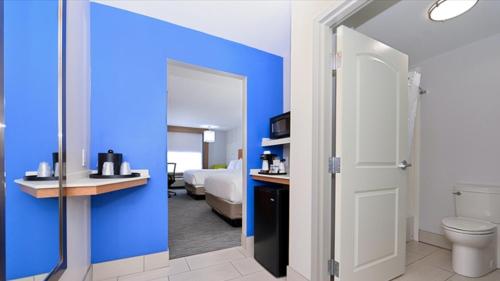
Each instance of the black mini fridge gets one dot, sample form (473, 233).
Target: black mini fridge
(271, 228)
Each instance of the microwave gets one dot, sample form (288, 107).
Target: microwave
(280, 126)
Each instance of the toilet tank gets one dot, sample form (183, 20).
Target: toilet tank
(478, 201)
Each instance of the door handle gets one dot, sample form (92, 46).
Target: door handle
(404, 164)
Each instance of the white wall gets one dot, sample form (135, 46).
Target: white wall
(217, 150)
(233, 143)
(459, 121)
(78, 136)
(303, 14)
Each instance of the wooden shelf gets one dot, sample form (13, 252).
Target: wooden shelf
(81, 187)
(270, 142)
(283, 179)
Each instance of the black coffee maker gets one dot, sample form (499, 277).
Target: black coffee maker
(267, 160)
(55, 159)
(110, 156)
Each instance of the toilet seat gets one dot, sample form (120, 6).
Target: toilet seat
(468, 226)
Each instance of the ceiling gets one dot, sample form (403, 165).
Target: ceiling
(198, 97)
(262, 24)
(405, 26)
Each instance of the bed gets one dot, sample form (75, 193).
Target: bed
(224, 193)
(194, 180)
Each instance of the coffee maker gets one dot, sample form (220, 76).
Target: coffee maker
(267, 160)
(110, 156)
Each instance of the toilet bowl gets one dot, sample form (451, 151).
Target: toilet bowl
(474, 232)
(474, 245)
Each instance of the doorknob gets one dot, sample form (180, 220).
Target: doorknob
(404, 164)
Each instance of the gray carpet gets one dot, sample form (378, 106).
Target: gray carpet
(194, 229)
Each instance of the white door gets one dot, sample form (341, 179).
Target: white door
(371, 140)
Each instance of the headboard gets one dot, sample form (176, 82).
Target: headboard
(240, 153)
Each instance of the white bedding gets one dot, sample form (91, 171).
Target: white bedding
(197, 177)
(228, 186)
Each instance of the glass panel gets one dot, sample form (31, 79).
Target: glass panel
(31, 136)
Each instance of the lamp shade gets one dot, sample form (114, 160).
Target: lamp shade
(209, 136)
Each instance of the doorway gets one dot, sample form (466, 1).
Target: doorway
(419, 214)
(205, 144)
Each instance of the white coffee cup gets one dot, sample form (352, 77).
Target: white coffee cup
(44, 170)
(108, 169)
(125, 169)
(56, 170)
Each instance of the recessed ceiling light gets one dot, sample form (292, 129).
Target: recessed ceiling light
(443, 10)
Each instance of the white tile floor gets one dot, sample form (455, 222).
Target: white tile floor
(229, 264)
(428, 263)
(424, 263)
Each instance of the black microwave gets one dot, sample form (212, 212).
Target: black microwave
(280, 126)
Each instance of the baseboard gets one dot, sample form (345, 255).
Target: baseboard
(39, 277)
(121, 267)
(292, 275)
(88, 275)
(434, 239)
(409, 228)
(247, 244)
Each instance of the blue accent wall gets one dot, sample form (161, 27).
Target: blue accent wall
(30, 73)
(129, 54)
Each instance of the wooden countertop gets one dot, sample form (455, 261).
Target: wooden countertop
(280, 179)
(83, 186)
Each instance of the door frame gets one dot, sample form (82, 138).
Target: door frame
(62, 262)
(350, 13)
(3, 274)
(246, 242)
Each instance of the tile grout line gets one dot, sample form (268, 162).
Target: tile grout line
(234, 266)
(421, 258)
(187, 262)
(203, 268)
(433, 265)
(218, 263)
(449, 278)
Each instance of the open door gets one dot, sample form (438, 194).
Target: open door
(371, 142)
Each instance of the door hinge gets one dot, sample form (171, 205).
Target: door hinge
(333, 268)
(334, 165)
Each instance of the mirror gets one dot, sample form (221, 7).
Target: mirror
(31, 137)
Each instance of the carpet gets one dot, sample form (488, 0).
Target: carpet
(194, 229)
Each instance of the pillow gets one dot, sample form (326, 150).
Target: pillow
(231, 165)
(239, 164)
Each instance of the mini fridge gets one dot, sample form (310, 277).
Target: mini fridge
(271, 228)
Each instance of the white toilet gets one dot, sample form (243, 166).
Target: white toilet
(473, 232)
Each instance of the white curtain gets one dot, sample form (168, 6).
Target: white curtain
(413, 96)
(186, 150)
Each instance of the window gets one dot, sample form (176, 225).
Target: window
(185, 160)
(186, 150)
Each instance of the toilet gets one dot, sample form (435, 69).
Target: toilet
(473, 232)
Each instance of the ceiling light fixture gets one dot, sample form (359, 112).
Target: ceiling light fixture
(209, 136)
(443, 10)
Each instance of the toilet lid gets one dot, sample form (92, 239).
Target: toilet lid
(467, 224)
